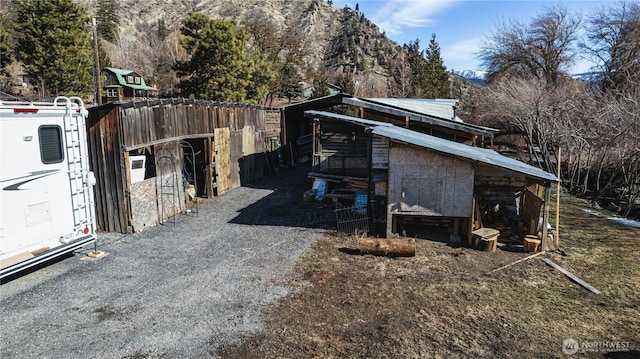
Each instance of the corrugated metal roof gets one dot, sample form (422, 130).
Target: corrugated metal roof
(437, 144)
(345, 118)
(482, 155)
(394, 107)
(441, 108)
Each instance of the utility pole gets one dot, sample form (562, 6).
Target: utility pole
(97, 100)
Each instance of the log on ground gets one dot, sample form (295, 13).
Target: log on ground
(388, 247)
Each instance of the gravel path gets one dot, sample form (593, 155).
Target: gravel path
(169, 292)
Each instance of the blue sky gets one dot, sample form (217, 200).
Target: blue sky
(460, 25)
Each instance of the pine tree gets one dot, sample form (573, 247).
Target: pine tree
(163, 31)
(6, 47)
(437, 84)
(291, 86)
(263, 76)
(346, 84)
(320, 87)
(418, 64)
(219, 68)
(107, 19)
(55, 46)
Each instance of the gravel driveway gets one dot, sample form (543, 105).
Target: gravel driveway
(169, 292)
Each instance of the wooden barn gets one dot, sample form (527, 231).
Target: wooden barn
(414, 180)
(151, 157)
(436, 117)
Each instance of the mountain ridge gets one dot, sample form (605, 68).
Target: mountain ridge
(340, 41)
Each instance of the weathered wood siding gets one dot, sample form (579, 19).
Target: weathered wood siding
(494, 185)
(117, 128)
(341, 149)
(380, 153)
(428, 183)
(222, 160)
(109, 166)
(145, 124)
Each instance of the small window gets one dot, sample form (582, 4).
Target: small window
(50, 144)
(136, 164)
(130, 79)
(138, 80)
(112, 93)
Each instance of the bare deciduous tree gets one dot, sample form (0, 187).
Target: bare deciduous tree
(534, 110)
(283, 48)
(541, 49)
(613, 42)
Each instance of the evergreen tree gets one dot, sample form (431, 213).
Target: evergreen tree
(107, 19)
(417, 62)
(291, 86)
(163, 31)
(437, 84)
(55, 46)
(346, 84)
(6, 47)
(263, 77)
(219, 67)
(320, 87)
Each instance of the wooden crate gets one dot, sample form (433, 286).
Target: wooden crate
(531, 243)
(485, 239)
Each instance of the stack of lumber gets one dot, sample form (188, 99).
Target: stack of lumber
(353, 183)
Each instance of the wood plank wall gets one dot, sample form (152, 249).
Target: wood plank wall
(116, 128)
(494, 185)
(429, 183)
(341, 149)
(108, 163)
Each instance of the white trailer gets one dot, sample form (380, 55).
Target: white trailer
(46, 188)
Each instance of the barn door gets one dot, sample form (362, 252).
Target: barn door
(222, 160)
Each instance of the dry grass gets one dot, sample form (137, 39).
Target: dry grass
(444, 303)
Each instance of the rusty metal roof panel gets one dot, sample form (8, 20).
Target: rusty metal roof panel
(476, 154)
(441, 108)
(439, 116)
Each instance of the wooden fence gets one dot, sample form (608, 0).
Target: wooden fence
(117, 129)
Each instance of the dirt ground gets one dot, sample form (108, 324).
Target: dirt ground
(171, 291)
(445, 303)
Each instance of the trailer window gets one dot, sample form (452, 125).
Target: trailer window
(50, 144)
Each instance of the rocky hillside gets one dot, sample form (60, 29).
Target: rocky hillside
(338, 40)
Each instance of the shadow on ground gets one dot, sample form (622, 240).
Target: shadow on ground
(285, 206)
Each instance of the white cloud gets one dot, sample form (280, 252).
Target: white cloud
(462, 55)
(394, 15)
(462, 50)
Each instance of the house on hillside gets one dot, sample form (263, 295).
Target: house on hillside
(307, 91)
(123, 85)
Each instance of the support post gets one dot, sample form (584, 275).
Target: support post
(557, 238)
(545, 216)
(96, 64)
(208, 173)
